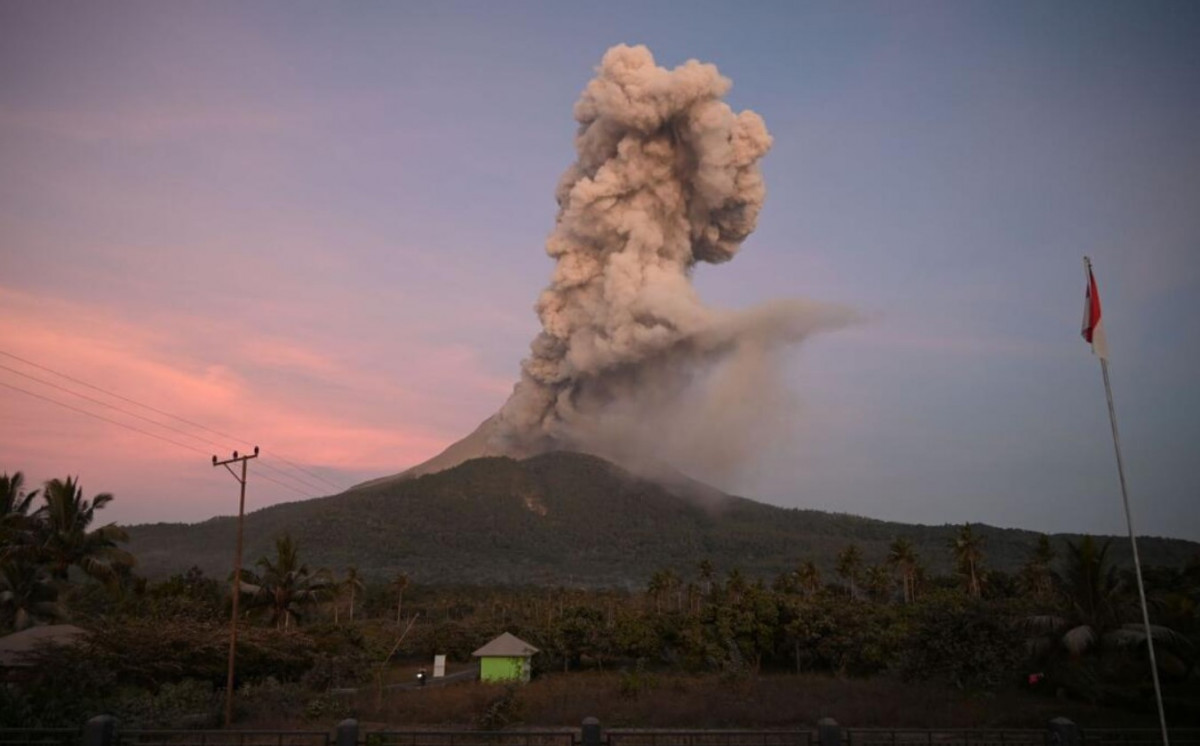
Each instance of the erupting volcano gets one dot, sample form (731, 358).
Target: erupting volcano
(630, 365)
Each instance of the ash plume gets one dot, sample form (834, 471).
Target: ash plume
(630, 364)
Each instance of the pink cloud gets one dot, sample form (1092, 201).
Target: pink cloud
(306, 404)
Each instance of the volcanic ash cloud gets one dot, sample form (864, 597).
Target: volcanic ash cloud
(630, 363)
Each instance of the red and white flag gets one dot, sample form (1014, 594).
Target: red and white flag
(1093, 329)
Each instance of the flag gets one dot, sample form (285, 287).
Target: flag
(1093, 329)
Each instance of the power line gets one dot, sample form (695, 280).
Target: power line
(103, 418)
(156, 423)
(166, 414)
(147, 433)
(306, 471)
(110, 406)
(184, 420)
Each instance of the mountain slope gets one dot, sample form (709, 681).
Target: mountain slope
(561, 518)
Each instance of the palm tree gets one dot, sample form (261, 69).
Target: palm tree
(14, 513)
(849, 565)
(658, 585)
(1037, 576)
(903, 557)
(878, 582)
(27, 592)
(400, 583)
(13, 498)
(65, 541)
(1095, 607)
(707, 573)
(672, 585)
(354, 583)
(285, 585)
(735, 585)
(968, 553)
(809, 577)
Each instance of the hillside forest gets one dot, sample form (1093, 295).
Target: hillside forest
(320, 643)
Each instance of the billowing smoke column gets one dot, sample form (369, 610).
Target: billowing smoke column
(630, 361)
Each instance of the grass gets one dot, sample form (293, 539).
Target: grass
(681, 701)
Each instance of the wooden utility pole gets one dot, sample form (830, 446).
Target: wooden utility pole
(237, 574)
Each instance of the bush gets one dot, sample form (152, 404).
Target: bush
(503, 711)
(963, 642)
(188, 703)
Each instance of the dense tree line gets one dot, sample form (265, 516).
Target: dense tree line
(1067, 625)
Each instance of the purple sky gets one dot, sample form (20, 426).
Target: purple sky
(319, 227)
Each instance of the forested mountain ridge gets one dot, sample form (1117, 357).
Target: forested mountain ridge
(566, 518)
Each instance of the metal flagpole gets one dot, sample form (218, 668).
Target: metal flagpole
(1137, 564)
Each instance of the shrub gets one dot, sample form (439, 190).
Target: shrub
(502, 711)
(964, 642)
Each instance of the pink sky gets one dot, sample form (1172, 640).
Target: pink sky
(277, 396)
(319, 227)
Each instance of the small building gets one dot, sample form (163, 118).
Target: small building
(504, 659)
(18, 651)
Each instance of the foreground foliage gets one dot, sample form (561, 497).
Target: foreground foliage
(315, 645)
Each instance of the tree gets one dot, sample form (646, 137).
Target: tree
(735, 585)
(400, 582)
(903, 558)
(968, 553)
(64, 540)
(1037, 576)
(27, 593)
(849, 566)
(665, 583)
(878, 582)
(14, 501)
(15, 524)
(660, 583)
(707, 573)
(353, 583)
(809, 577)
(1096, 610)
(285, 585)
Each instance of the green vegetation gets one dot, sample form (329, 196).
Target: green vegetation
(901, 626)
(572, 519)
(39, 549)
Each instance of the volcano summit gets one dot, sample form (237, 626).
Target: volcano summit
(630, 365)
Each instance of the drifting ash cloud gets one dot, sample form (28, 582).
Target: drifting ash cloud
(630, 364)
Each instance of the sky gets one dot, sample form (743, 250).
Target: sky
(319, 228)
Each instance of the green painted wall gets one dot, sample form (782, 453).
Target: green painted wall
(503, 669)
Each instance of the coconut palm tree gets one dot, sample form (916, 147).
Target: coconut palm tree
(27, 592)
(968, 553)
(15, 524)
(903, 557)
(809, 577)
(64, 539)
(1037, 575)
(849, 566)
(14, 500)
(1096, 610)
(672, 584)
(285, 586)
(735, 585)
(707, 573)
(400, 582)
(877, 582)
(352, 583)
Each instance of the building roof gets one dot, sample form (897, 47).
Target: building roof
(16, 648)
(506, 646)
